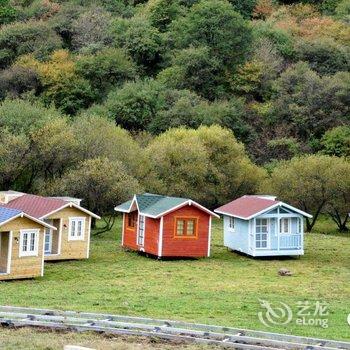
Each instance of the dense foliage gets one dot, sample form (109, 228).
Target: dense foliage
(247, 85)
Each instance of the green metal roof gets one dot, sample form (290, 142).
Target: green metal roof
(152, 204)
(155, 205)
(124, 206)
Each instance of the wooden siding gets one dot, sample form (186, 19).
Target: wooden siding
(74, 249)
(186, 247)
(25, 266)
(129, 239)
(152, 236)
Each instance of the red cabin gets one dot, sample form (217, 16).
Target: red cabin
(166, 226)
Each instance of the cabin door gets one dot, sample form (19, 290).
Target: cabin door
(5, 246)
(262, 234)
(141, 231)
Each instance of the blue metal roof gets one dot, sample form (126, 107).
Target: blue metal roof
(8, 213)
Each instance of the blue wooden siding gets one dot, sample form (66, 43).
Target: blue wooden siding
(239, 238)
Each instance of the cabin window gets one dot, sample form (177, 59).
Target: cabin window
(186, 227)
(76, 229)
(28, 245)
(231, 223)
(132, 219)
(284, 225)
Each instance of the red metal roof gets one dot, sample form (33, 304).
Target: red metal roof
(36, 206)
(246, 206)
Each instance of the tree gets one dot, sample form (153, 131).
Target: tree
(53, 150)
(162, 12)
(105, 69)
(308, 182)
(339, 205)
(244, 7)
(218, 26)
(60, 81)
(91, 30)
(13, 161)
(324, 55)
(206, 164)
(141, 40)
(135, 104)
(17, 80)
(336, 141)
(102, 183)
(7, 12)
(28, 37)
(309, 103)
(198, 70)
(23, 117)
(98, 137)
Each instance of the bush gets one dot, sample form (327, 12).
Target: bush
(22, 38)
(336, 142)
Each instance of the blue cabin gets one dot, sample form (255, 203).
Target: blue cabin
(263, 226)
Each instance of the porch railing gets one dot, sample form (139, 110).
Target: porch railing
(290, 241)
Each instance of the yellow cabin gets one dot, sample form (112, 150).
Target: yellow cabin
(21, 244)
(70, 236)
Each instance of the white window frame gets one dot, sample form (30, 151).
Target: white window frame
(231, 223)
(73, 237)
(282, 231)
(300, 226)
(49, 232)
(36, 242)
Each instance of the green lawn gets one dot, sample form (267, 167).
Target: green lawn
(223, 290)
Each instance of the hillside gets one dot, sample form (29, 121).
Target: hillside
(90, 89)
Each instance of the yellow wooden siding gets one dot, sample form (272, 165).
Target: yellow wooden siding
(70, 249)
(25, 266)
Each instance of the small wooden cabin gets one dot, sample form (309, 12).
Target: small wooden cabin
(263, 226)
(166, 226)
(71, 239)
(21, 244)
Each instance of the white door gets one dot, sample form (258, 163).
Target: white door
(141, 231)
(261, 234)
(48, 241)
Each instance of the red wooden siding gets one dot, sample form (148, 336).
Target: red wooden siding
(129, 239)
(152, 236)
(186, 247)
(171, 246)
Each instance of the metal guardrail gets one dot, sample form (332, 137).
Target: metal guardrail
(229, 337)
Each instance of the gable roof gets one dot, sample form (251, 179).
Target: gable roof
(9, 214)
(248, 207)
(41, 207)
(155, 206)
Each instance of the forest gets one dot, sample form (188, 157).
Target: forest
(207, 99)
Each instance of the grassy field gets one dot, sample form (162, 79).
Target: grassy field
(223, 290)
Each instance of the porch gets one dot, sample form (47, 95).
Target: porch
(277, 235)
